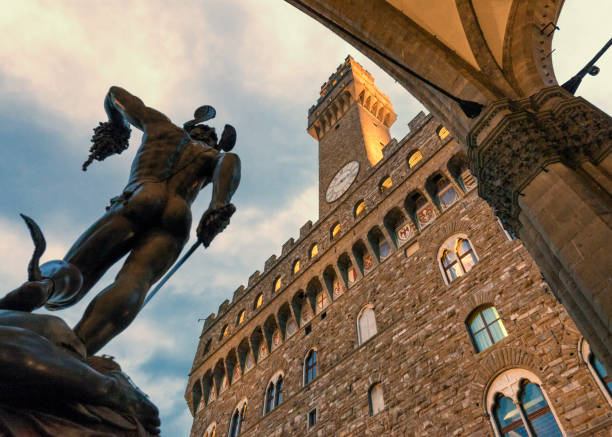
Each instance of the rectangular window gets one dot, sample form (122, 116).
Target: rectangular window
(312, 418)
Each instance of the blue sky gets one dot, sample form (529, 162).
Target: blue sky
(261, 64)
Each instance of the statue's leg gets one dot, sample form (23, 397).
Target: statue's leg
(114, 308)
(226, 178)
(96, 250)
(35, 369)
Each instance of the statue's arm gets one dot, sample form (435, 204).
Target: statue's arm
(121, 106)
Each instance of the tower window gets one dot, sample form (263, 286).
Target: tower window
(240, 317)
(456, 258)
(258, 301)
(359, 208)
(296, 266)
(237, 422)
(278, 282)
(385, 184)
(314, 251)
(414, 158)
(599, 372)
(335, 231)
(442, 132)
(312, 418)
(274, 394)
(224, 332)
(376, 399)
(366, 324)
(486, 328)
(517, 406)
(310, 367)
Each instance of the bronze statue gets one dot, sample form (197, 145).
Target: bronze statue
(150, 221)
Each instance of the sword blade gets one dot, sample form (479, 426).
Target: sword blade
(171, 272)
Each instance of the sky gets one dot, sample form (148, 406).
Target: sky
(260, 63)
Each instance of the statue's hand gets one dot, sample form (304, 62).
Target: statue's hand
(213, 222)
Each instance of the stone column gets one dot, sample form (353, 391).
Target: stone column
(544, 165)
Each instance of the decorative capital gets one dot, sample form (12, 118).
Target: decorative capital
(514, 141)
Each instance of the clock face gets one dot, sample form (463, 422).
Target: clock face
(342, 181)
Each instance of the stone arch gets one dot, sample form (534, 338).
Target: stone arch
(297, 302)
(284, 315)
(487, 295)
(231, 366)
(361, 255)
(270, 327)
(258, 344)
(243, 350)
(208, 386)
(377, 241)
(196, 395)
(393, 222)
(219, 374)
(368, 102)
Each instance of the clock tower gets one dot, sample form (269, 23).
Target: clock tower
(351, 121)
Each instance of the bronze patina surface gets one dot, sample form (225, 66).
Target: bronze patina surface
(52, 382)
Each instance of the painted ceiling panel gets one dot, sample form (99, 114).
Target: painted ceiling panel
(492, 17)
(441, 19)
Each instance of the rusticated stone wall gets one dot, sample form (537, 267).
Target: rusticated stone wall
(434, 382)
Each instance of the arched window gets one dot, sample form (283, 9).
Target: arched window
(274, 393)
(258, 301)
(269, 398)
(238, 419)
(240, 318)
(537, 411)
(296, 266)
(456, 258)
(599, 372)
(224, 332)
(486, 328)
(278, 396)
(359, 208)
(518, 406)
(334, 231)
(278, 282)
(376, 399)
(314, 251)
(442, 132)
(414, 158)
(310, 366)
(385, 184)
(366, 324)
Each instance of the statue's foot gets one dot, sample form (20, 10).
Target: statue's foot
(129, 399)
(28, 297)
(214, 222)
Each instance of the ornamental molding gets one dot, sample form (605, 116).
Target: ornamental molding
(514, 141)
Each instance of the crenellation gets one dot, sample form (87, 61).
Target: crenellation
(287, 246)
(208, 322)
(223, 308)
(270, 262)
(237, 294)
(253, 279)
(305, 229)
(417, 122)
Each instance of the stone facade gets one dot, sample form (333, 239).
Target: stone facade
(434, 381)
